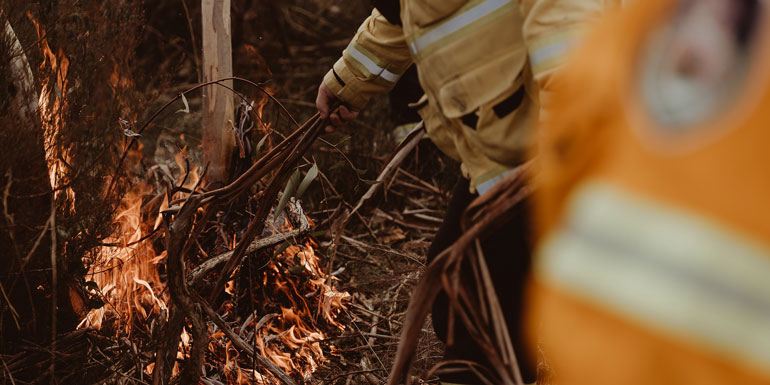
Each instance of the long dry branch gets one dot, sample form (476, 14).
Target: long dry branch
(396, 158)
(267, 163)
(280, 161)
(177, 239)
(303, 227)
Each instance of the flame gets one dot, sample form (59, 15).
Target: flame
(194, 174)
(51, 104)
(127, 270)
(131, 287)
(295, 328)
(127, 275)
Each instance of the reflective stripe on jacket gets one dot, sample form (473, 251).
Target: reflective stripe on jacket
(552, 29)
(371, 64)
(664, 268)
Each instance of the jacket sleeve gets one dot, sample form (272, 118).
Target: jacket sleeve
(551, 29)
(371, 64)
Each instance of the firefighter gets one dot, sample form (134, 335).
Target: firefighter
(653, 239)
(479, 107)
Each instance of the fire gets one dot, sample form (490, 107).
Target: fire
(135, 294)
(291, 338)
(51, 103)
(127, 272)
(301, 303)
(287, 327)
(127, 275)
(296, 328)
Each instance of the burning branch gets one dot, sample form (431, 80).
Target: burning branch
(194, 212)
(211, 264)
(241, 344)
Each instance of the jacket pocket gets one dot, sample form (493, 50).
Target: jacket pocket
(480, 83)
(503, 127)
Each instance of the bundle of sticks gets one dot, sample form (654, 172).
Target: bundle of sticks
(186, 219)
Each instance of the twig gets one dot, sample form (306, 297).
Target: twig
(377, 335)
(331, 381)
(472, 366)
(365, 340)
(178, 234)
(136, 242)
(365, 310)
(427, 185)
(22, 263)
(54, 283)
(14, 313)
(384, 250)
(10, 375)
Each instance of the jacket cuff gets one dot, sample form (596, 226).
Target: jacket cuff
(344, 84)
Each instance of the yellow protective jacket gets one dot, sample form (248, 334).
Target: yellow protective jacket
(472, 58)
(654, 244)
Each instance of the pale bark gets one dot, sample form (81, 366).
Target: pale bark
(21, 76)
(218, 108)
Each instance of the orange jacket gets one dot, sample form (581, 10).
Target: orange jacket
(654, 244)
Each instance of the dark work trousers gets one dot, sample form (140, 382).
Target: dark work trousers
(507, 253)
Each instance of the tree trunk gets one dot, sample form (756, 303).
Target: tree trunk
(218, 108)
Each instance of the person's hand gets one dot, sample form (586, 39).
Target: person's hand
(338, 117)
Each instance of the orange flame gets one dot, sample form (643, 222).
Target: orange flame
(127, 275)
(51, 104)
(131, 287)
